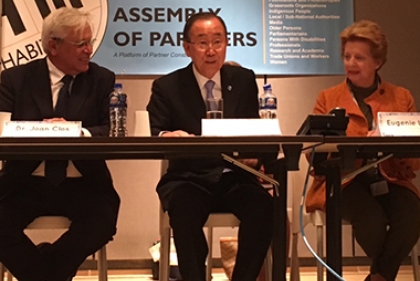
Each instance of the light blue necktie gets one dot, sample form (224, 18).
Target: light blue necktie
(209, 87)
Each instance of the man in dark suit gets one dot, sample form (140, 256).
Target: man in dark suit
(85, 194)
(192, 188)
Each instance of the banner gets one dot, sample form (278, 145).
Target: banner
(277, 37)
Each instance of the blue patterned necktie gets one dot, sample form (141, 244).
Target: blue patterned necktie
(55, 170)
(209, 87)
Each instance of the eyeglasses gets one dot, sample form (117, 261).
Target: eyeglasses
(205, 45)
(81, 44)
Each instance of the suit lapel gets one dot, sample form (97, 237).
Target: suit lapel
(41, 88)
(229, 94)
(191, 93)
(79, 93)
(348, 101)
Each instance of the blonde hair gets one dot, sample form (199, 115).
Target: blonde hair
(369, 32)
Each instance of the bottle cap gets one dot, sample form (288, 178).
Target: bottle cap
(267, 87)
(118, 85)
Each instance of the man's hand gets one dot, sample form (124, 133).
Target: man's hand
(251, 162)
(55, 119)
(178, 133)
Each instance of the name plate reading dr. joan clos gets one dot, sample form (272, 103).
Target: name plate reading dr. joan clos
(41, 129)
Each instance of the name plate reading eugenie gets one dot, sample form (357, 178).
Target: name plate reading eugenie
(399, 123)
(41, 129)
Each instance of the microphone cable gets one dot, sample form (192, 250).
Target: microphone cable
(302, 230)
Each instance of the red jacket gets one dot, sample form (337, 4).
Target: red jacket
(387, 98)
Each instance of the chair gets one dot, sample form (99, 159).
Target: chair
(297, 184)
(318, 220)
(59, 222)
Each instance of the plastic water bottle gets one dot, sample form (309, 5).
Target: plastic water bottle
(118, 112)
(268, 103)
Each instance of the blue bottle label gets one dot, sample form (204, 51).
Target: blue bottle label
(268, 103)
(118, 100)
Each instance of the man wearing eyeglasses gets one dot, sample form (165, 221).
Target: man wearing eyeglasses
(193, 188)
(64, 86)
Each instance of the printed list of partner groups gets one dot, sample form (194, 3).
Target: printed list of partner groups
(289, 31)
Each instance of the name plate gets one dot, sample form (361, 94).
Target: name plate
(41, 129)
(240, 127)
(399, 123)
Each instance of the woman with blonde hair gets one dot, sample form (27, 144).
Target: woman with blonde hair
(382, 203)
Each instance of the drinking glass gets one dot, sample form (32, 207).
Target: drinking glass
(214, 108)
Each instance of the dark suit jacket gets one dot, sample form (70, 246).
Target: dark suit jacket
(26, 92)
(176, 103)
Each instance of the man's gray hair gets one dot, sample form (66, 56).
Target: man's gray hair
(61, 22)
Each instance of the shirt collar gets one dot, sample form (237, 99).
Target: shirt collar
(201, 80)
(55, 74)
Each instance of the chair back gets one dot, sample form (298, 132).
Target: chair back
(297, 181)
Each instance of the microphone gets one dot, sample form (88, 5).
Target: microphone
(338, 112)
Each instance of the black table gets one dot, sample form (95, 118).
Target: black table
(350, 148)
(163, 148)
